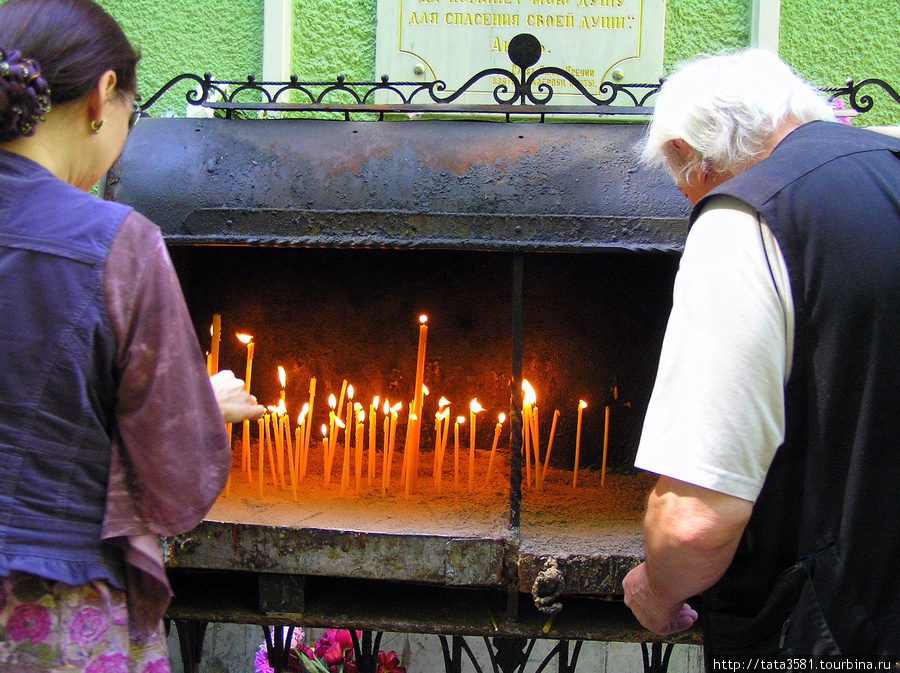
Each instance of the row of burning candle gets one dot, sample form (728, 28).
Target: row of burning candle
(274, 436)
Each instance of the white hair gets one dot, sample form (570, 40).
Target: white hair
(726, 108)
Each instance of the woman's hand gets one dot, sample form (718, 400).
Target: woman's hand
(235, 403)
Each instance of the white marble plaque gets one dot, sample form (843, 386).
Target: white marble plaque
(450, 40)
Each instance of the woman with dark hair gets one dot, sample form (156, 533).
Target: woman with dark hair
(110, 432)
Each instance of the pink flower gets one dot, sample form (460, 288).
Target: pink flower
(307, 652)
(837, 105)
(334, 654)
(389, 663)
(158, 666)
(108, 663)
(28, 621)
(261, 662)
(89, 625)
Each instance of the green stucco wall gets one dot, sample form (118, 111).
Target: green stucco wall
(826, 41)
(222, 37)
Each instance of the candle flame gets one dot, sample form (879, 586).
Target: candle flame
(338, 422)
(361, 416)
(332, 401)
(443, 402)
(425, 390)
(350, 392)
(445, 413)
(475, 407)
(280, 409)
(501, 418)
(305, 408)
(530, 396)
(324, 430)
(423, 318)
(460, 419)
(582, 404)
(357, 406)
(244, 338)
(375, 402)
(397, 407)
(282, 377)
(386, 408)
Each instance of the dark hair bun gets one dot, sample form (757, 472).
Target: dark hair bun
(24, 96)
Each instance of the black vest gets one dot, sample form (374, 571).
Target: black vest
(818, 568)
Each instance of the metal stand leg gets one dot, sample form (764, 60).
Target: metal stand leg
(656, 660)
(278, 646)
(365, 653)
(190, 637)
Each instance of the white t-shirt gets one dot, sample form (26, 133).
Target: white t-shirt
(716, 415)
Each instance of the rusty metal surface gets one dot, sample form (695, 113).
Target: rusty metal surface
(424, 184)
(381, 606)
(433, 559)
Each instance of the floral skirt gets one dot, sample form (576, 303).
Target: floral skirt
(51, 627)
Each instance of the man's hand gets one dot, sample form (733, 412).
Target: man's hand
(690, 535)
(654, 614)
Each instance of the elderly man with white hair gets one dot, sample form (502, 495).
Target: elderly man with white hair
(774, 422)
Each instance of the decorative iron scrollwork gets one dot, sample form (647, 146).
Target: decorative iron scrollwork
(862, 103)
(520, 92)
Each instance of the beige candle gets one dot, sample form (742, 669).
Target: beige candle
(459, 421)
(261, 451)
(300, 453)
(474, 408)
(373, 438)
(282, 379)
(345, 467)
(536, 445)
(301, 450)
(582, 405)
(549, 448)
(340, 407)
(360, 426)
(292, 463)
(384, 457)
(247, 340)
(324, 450)
(245, 456)
(216, 334)
(500, 419)
(348, 436)
(438, 424)
(269, 449)
(312, 399)
(407, 469)
(418, 393)
(528, 400)
(443, 422)
(605, 445)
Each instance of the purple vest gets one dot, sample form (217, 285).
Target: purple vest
(58, 382)
(817, 570)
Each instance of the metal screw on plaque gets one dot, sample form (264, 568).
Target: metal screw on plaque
(419, 69)
(524, 50)
(618, 74)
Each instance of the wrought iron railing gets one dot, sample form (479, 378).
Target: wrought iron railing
(522, 91)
